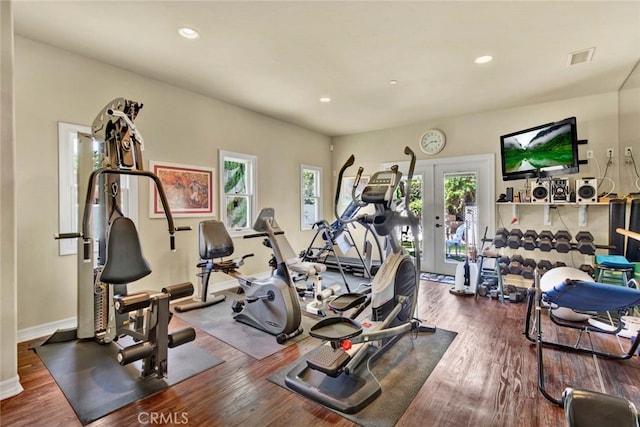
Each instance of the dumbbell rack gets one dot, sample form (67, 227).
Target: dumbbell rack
(495, 273)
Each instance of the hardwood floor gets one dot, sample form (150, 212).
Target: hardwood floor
(487, 377)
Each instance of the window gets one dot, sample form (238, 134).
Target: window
(310, 196)
(238, 189)
(68, 186)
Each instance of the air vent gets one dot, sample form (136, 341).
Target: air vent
(580, 57)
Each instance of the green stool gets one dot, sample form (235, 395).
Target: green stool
(614, 269)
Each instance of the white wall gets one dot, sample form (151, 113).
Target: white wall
(597, 118)
(9, 381)
(178, 126)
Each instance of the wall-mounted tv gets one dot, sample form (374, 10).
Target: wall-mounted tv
(545, 150)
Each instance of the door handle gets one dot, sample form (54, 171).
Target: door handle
(438, 225)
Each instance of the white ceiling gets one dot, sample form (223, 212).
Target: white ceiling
(278, 58)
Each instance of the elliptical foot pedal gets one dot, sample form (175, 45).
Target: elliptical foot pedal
(335, 329)
(347, 301)
(328, 360)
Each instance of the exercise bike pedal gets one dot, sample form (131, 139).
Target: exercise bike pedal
(237, 306)
(328, 360)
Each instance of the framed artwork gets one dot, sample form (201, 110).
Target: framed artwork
(189, 190)
(345, 190)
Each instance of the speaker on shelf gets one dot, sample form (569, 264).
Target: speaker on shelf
(559, 190)
(540, 191)
(586, 190)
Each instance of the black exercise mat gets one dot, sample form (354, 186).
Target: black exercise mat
(218, 322)
(95, 384)
(402, 371)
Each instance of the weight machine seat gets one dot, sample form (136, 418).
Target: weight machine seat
(214, 240)
(585, 408)
(125, 261)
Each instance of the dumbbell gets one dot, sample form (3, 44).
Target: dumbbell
(515, 266)
(563, 241)
(503, 262)
(545, 241)
(500, 240)
(588, 269)
(529, 240)
(514, 239)
(585, 243)
(544, 265)
(559, 264)
(528, 268)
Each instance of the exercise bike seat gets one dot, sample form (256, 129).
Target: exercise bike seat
(214, 240)
(347, 301)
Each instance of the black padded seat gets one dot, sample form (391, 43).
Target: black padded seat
(215, 241)
(585, 408)
(125, 261)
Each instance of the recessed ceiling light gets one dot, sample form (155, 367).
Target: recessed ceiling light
(483, 59)
(188, 33)
(581, 56)
(325, 99)
(393, 82)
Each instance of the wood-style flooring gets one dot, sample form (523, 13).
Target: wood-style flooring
(487, 377)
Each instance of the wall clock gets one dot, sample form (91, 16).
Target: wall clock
(432, 141)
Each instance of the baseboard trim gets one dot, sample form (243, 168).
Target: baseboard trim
(10, 387)
(46, 329)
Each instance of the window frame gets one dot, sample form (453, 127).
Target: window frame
(318, 197)
(251, 177)
(68, 197)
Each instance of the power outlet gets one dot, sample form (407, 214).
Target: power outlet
(610, 153)
(589, 154)
(627, 151)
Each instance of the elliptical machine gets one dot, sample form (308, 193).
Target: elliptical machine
(337, 374)
(270, 305)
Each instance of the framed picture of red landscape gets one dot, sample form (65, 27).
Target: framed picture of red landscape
(189, 190)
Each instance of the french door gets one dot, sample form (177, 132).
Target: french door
(458, 199)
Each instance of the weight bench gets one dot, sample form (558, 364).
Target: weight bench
(580, 296)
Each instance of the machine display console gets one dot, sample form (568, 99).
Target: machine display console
(381, 187)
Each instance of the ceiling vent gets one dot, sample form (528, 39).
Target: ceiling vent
(580, 57)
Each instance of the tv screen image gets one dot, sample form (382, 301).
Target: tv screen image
(544, 150)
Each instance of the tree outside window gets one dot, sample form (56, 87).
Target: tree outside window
(311, 196)
(238, 190)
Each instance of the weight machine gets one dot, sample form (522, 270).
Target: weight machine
(106, 310)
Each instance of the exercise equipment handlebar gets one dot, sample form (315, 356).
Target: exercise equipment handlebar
(251, 236)
(58, 236)
(86, 220)
(350, 161)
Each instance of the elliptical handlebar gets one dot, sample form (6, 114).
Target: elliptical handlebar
(350, 161)
(356, 182)
(412, 164)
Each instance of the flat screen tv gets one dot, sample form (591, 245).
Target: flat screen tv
(546, 150)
